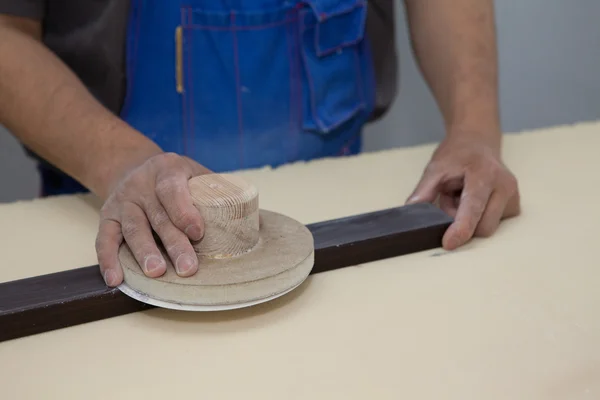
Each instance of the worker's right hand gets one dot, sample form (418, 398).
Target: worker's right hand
(153, 196)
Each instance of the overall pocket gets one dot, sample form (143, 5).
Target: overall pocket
(332, 34)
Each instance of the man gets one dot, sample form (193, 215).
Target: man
(129, 99)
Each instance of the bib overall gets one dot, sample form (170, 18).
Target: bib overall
(237, 84)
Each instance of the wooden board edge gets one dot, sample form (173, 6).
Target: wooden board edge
(79, 296)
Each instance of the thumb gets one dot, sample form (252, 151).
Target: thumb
(427, 189)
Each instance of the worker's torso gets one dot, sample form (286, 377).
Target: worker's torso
(232, 84)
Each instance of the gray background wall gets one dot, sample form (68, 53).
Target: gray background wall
(549, 75)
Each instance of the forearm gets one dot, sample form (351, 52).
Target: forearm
(46, 106)
(455, 47)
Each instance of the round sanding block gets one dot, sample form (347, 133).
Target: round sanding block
(247, 255)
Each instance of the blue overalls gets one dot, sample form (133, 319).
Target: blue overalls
(237, 84)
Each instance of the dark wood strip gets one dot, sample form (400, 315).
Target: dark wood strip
(59, 300)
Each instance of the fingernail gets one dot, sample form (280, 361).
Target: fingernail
(110, 277)
(193, 232)
(153, 263)
(184, 264)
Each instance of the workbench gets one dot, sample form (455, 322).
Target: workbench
(514, 316)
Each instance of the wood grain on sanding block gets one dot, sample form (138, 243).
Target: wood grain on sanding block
(59, 300)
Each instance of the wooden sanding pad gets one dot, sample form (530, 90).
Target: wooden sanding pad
(247, 255)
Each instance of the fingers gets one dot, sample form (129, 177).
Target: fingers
(449, 203)
(149, 203)
(492, 215)
(426, 190)
(173, 193)
(138, 235)
(175, 219)
(175, 242)
(108, 240)
(503, 203)
(435, 182)
(473, 202)
(488, 191)
(513, 205)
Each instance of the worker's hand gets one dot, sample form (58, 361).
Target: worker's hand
(152, 196)
(467, 177)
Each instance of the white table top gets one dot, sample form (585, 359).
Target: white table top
(516, 316)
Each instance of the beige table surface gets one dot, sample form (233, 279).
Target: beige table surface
(516, 316)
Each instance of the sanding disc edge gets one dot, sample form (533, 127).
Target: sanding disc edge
(281, 262)
(199, 308)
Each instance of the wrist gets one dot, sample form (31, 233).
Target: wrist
(473, 113)
(125, 149)
(487, 134)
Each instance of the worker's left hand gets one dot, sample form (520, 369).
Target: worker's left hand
(469, 180)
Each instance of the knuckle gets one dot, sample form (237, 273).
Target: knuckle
(511, 185)
(175, 248)
(106, 213)
(480, 186)
(105, 238)
(183, 218)
(170, 156)
(103, 258)
(165, 159)
(119, 195)
(144, 248)
(476, 204)
(136, 180)
(129, 187)
(432, 167)
(109, 210)
(494, 172)
(488, 172)
(103, 254)
(165, 187)
(101, 237)
(105, 209)
(159, 219)
(130, 228)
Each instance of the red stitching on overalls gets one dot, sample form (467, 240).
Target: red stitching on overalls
(319, 122)
(192, 129)
(333, 49)
(292, 133)
(298, 79)
(240, 28)
(308, 75)
(298, 75)
(295, 60)
(234, 30)
(238, 83)
(184, 97)
(298, 82)
(346, 148)
(343, 44)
